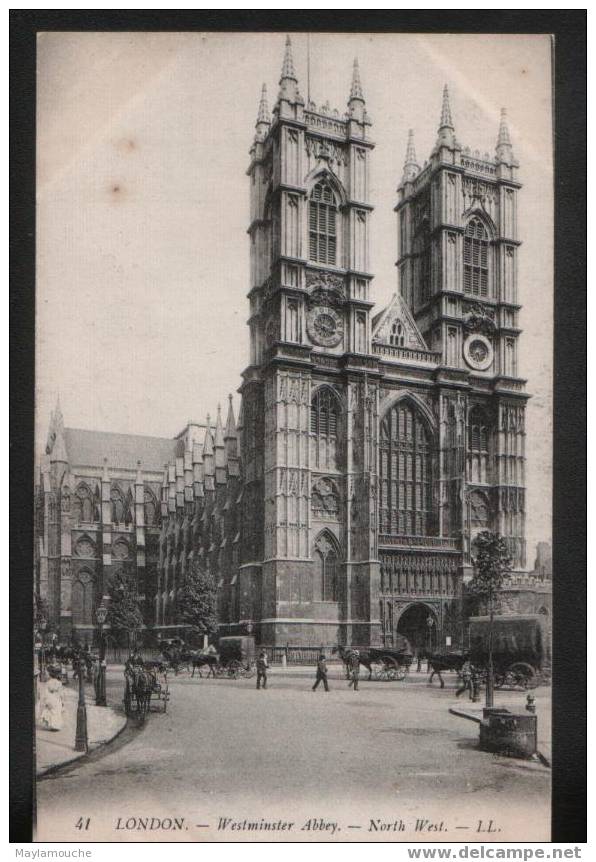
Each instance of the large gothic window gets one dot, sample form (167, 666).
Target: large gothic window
(406, 472)
(476, 259)
(324, 420)
(82, 600)
(85, 505)
(325, 574)
(322, 224)
(478, 445)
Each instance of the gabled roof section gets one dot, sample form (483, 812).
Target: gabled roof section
(89, 448)
(383, 325)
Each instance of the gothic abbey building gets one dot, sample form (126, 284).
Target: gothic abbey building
(370, 448)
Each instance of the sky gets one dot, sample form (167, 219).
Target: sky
(142, 207)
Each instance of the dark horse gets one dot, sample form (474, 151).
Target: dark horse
(346, 653)
(439, 662)
(140, 683)
(204, 659)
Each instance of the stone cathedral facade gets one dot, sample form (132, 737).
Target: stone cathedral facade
(370, 448)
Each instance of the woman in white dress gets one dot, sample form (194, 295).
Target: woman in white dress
(52, 702)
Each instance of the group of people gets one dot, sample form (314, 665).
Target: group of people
(353, 667)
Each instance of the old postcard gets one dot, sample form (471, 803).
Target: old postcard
(293, 437)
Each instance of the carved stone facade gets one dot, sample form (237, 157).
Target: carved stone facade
(369, 450)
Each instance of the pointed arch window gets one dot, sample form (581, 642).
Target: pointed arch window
(325, 575)
(322, 224)
(478, 430)
(82, 599)
(118, 506)
(323, 414)
(85, 507)
(397, 336)
(406, 506)
(476, 258)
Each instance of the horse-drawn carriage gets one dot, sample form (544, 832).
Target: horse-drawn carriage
(520, 649)
(383, 663)
(236, 657)
(142, 682)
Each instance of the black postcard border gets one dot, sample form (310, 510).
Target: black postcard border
(569, 457)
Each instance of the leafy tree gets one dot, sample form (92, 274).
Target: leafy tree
(196, 602)
(492, 564)
(124, 615)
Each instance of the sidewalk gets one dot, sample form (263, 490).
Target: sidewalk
(515, 701)
(55, 748)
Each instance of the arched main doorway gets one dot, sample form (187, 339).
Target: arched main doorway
(415, 625)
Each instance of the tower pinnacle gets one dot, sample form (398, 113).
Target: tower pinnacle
(504, 150)
(411, 166)
(287, 69)
(446, 137)
(263, 116)
(356, 88)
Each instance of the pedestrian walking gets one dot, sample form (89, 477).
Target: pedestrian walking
(466, 679)
(354, 667)
(262, 665)
(321, 673)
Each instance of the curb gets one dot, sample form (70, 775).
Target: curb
(460, 713)
(56, 767)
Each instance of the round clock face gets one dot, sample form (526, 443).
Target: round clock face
(478, 352)
(325, 326)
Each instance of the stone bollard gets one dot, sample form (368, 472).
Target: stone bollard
(284, 660)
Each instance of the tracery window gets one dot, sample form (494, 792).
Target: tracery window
(118, 507)
(478, 445)
(151, 510)
(322, 224)
(85, 505)
(406, 472)
(325, 574)
(397, 336)
(477, 430)
(323, 414)
(82, 599)
(476, 259)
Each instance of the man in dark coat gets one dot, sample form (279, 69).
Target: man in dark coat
(354, 666)
(262, 665)
(321, 673)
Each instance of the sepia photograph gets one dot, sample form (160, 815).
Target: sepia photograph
(293, 437)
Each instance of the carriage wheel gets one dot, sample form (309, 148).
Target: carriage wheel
(523, 675)
(249, 672)
(391, 668)
(499, 679)
(235, 669)
(402, 672)
(379, 672)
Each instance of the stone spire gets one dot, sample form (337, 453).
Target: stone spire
(56, 447)
(287, 69)
(356, 88)
(288, 82)
(411, 166)
(231, 435)
(219, 440)
(356, 100)
(263, 116)
(446, 136)
(504, 150)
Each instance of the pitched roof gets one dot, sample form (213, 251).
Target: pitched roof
(397, 310)
(89, 448)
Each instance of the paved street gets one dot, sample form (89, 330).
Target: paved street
(225, 753)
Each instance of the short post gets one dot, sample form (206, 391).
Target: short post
(81, 738)
(100, 696)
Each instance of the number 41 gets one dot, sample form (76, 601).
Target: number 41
(83, 823)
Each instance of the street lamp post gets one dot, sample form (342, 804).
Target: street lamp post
(430, 623)
(43, 624)
(100, 693)
(81, 738)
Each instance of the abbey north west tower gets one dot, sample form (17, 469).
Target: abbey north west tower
(375, 446)
(370, 449)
